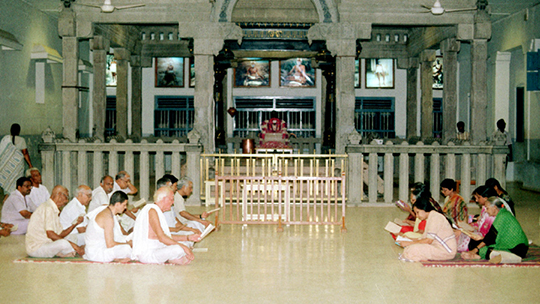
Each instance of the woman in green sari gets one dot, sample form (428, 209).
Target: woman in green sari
(505, 242)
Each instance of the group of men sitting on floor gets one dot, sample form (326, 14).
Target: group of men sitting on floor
(160, 232)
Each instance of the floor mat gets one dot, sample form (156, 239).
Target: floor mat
(532, 260)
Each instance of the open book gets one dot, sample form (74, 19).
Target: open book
(207, 231)
(392, 227)
(139, 203)
(213, 210)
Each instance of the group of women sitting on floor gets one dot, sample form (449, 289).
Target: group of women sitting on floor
(437, 233)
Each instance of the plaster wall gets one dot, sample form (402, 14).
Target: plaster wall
(18, 75)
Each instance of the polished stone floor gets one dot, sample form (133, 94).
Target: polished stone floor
(303, 264)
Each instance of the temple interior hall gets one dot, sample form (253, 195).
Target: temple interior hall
(341, 104)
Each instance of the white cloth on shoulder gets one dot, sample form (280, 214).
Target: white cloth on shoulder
(148, 250)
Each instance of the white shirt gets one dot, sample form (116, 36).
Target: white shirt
(45, 218)
(116, 187)
(179, 206)
(71, 212)
(39, 195)
(14, 204)
(99, 198)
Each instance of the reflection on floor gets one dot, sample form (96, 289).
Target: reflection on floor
(303, 264)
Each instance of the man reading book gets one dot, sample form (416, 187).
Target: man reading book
(152, 239)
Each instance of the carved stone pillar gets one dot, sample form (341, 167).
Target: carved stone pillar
(426, 77)
(450, 48)
(478, 90)
(208, 40)
(122, 57)
(412, 97)
(341, 42)
(99, 47)
(204, 103)
(136, 96)
(70, 92)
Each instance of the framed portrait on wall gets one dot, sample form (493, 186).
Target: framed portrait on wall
(191, 72)
(438, 73)
(252, 72)
(110, 71)
(379, 73)
(357, 68)
(169, 72)
(297, 72)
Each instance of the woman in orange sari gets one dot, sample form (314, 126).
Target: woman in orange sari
(455, 207)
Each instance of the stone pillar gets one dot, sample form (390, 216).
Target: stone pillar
(136, 96)
(193, 154)
(412, 97)
(204, 50)
(70, 52)
(502, 87)
(122, 57)
(99, 47)
(345, 52)
(450, 48)
(478, 89)
(426, 77)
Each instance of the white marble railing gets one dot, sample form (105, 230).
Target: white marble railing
(406, 164)
(73, 164)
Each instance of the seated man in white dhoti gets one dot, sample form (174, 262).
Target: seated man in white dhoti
(75, 209)
(100, 195)
(123, 183)
(39, 193)
(45, 237)
(185, 188)
(103, 231)
(152, 240)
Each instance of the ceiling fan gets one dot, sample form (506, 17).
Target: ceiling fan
(437, 9)
(107, 6)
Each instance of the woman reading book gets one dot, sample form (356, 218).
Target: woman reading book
(438, 242)
(505, 242)
(455, 207)
(415, 227)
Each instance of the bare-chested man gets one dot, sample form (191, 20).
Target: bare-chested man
(103, 230)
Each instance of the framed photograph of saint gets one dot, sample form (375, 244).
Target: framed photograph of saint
(379, 73)
(438, 73)
(357, 68)
(170, 72)
(252, 72)
(191, 72)
(110, 71)
(297, 72)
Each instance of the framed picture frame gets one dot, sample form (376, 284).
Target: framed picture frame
(191, 72)
(438, 73)
(110, 71)
(252, 72)
(296, 73)
(169, 72)
(357, 73)
(379, 73)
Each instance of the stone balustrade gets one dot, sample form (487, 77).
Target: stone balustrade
(405, 164)
(72, 164)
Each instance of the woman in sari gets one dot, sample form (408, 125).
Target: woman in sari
(455, 207)
(481, 225)
(13, 153)
(438, 241)
(505, 242)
